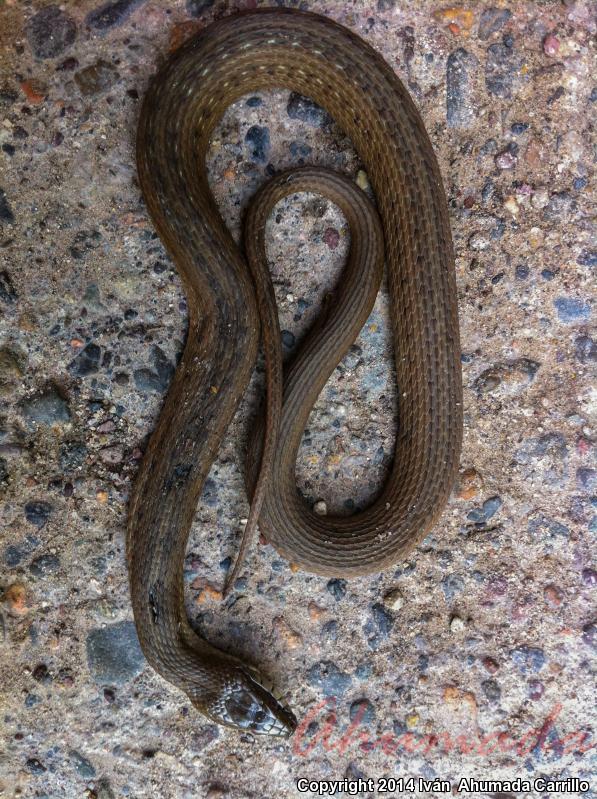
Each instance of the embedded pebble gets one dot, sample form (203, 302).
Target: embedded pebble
(157, 379)
(38, 513)
(331, 237)
(96, 78)
(258, 140)
(489, 508)
(507, 378)
(551, 45)
(110, 14)
(492, 20)
(113, 653)
(83, 766)
(460, 67)
(87, 361)
(6, 212)
(500, 67)
(506, 159)
(585, 349)
(571, 309)
(50, 31)
(528, 658)
(457, 624)
(452, 584)
(536, 689)
(44, 565)
(337, 588)
(305, 109)
(362, 710)
(47, 408)
(328, 679)
(393, 599)
(378, 626)
(492, 691)
(196, 7)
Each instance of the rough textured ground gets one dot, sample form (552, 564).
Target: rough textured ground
(473, 659)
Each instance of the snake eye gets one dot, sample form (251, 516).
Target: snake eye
(260, 716)
(239, 706)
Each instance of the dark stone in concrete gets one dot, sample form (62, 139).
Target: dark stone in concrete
(305, 109)
(50, 32)
(110, 14)
(114, 655)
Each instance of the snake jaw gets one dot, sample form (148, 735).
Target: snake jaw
(247, 706)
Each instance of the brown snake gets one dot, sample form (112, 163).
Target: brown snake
(231, 305)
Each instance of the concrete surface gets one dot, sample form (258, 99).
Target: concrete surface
(474, 658)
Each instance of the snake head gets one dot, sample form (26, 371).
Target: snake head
(245, 704)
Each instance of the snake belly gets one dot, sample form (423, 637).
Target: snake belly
(312, 55)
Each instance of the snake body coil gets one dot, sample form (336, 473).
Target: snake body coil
(229, 304)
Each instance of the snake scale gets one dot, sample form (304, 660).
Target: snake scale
(232, 309)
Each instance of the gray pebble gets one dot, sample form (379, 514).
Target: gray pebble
(560, 205)
(499, 70)
(364, 670)
(452, 584)
(587, 258)
(110, 14)
(305, 109)
(38, 513)
(528, 658)
(35, 766)
(459, 102)
(7, 290)
(586, 478)
(13, 555)
(50, 32)
(158, 380)
(83, 766)
(47, 408)
(492, 20)
(492, 691)
(570, 309)
(585, 349)
(540, 525)
(509, 378)
(363, 710)
(44, 565)
(328, 679)
(337, 588)
(72, 455)
(97, 78)
(258, 140)
(288, 339)
(6, 214)
(86, 362)
(114, 655)
(486, 511)
(196, 7)
(329, 630)
(379, 626)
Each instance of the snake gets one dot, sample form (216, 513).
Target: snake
(232, 313)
